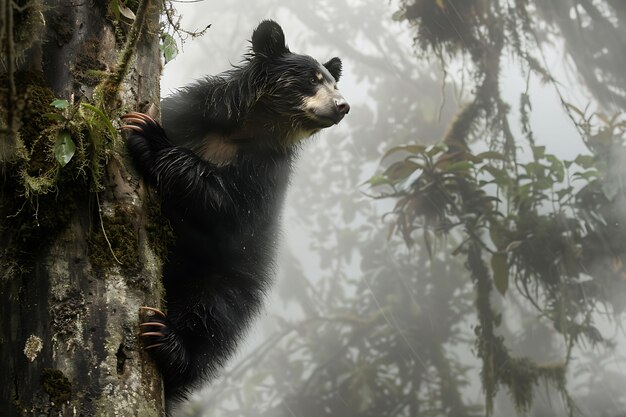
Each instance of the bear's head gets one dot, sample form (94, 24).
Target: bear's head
(298, 90)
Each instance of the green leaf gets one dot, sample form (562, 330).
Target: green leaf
(400, 170)
(500, 268)
(587, 175)
(64, 148)
(538, 151)
(490, 155)
(60, 103)
(436, 149)
(565, 192)
(413, 149)
(398, 15)
(542, 184)
(168, 47)
(427, 241)
(534, 169)
(460, 166)
(103, 118)
(115, 8)
(500, 176)
(575, 109)
(604, 118)
(585, 161)
(557, 167)
(377, 180)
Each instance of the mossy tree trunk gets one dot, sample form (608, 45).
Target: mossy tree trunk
(78, 238)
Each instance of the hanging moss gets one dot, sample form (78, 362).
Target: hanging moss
(40, 196)
(519, 375)
(449, 23)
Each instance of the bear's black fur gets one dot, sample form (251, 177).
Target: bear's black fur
(221, 164)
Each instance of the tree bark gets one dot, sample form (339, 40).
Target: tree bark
(80, 255)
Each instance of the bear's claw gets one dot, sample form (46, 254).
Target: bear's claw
(154, 311)
(154, 317)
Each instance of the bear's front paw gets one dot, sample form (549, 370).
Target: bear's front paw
(145, 137)
(166, 346)
(154, 330)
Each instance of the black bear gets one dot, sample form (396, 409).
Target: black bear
(221, 165)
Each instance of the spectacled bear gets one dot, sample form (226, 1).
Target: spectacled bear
(221, 164)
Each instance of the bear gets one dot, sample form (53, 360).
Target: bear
(220, 164)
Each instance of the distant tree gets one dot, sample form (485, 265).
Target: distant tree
(546, 228)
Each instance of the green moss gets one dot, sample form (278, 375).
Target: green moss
(28, 24)
(38, 197)
(114, 242)
(56, 385)
(89, 68)
(35, 98)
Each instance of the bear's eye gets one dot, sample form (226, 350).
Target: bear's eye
(314, 80)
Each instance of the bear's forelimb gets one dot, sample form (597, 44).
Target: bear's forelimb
(178, 173)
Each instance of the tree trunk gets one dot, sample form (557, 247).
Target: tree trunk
(80, 244)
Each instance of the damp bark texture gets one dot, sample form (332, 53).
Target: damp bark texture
(78, 242)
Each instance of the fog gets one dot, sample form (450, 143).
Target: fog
(368, 319)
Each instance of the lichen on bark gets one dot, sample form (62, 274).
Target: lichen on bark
(66, 217)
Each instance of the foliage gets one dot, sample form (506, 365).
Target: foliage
(544, 223)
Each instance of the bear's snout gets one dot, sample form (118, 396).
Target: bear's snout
(342, 106)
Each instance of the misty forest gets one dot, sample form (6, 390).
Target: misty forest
(455, 247)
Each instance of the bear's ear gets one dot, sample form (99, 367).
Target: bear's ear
(334, 67)
(268, 39)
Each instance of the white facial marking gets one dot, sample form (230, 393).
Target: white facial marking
(321, 98)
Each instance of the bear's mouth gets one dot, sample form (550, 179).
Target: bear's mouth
(326, 119)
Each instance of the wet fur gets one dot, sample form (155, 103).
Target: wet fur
(221, 166)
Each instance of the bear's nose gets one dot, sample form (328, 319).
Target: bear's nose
(342, 106)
